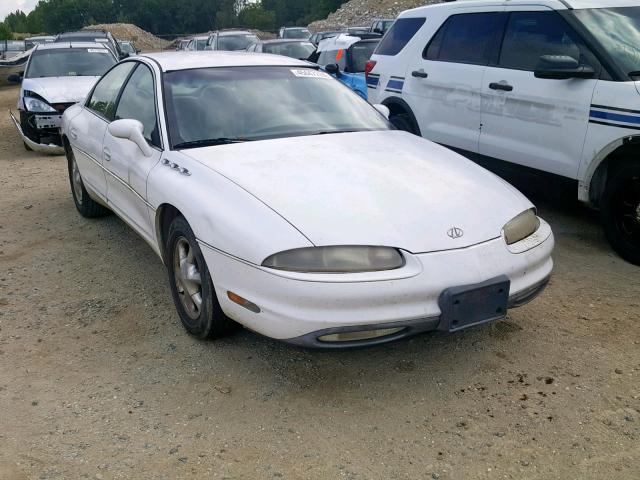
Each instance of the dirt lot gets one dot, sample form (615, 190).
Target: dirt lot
(98, 380)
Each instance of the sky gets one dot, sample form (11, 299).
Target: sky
(8, 6)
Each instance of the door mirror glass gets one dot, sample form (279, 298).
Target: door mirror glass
(383, 109)
(132, 130)
(562, 67)
(333, 69)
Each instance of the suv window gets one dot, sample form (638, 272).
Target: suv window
(464, 38)
(530, 35)
(399, 35)
(338, 57)
(105, 94)
(138, 101)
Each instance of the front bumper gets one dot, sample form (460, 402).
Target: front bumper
(44, 122)
(300, 308)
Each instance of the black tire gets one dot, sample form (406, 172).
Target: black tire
(620, 210)
(206, 320)
(27, 147)
(86, 205)
(28, 130)
(403, 122)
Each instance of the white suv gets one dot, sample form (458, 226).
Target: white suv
(553, 85)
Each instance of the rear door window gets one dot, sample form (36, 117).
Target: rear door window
(402, 31)
(465, 38)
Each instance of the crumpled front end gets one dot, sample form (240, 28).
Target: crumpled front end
(40, 131)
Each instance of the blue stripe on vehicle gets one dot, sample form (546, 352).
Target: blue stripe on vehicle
(373, 81)
(615, 117)
(395, 84)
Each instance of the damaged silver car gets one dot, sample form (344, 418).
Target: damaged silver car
(57, 76)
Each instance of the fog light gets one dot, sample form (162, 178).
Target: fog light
(243, 302)
(361, 335)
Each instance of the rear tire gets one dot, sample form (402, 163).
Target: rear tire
(620, 210)
(87, 207)
(403, 122)
(191, 287)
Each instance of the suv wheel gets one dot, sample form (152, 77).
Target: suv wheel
(621, 211)
(191, 287)
(84, 203)
(403, 122)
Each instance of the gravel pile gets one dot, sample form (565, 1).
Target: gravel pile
(363, 12)
(142, 40)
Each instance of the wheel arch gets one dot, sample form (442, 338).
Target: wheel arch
(165, 214)
(604, 163)
(397, 106)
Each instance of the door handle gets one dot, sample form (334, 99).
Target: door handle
(501, 86)
(106, 155)
(419, 74)
(74, 133)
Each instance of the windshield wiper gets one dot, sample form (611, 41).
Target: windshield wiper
(329, 132)
(208, 143)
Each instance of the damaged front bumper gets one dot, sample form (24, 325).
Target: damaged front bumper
(46, 123)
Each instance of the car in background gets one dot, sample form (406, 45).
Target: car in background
(181, 44)
(374, 234)
(38, 40)
(298, 33)
(11, 48)
(128, 47)
(299, 49)
(98, 36)
(231, 40)
(381, 25)
(345, 57)
(197, 44)
(357, 31)
(12, 70)
(57, 75)
(317, 37)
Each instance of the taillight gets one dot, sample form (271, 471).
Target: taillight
(368, 67)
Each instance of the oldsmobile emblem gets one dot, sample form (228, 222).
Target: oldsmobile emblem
(455, 232)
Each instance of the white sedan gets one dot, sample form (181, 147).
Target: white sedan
(280, 200)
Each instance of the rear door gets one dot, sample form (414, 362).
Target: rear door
(87, 130)
(126, 165)
(539, 123)
(444, 81)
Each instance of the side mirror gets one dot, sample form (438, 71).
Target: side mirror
(131, 130)
(383, 109)
(562, 67)
(14, 78)
(332, 69)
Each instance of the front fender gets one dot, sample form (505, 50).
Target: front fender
(221, 214)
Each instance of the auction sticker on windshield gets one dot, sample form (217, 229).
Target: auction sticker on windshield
(97, 50)
(309, 73)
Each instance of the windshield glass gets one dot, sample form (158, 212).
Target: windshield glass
(296, 33)
(360, 54)
(201, 44)
(257, 103)
(236, 42)
(127, 48)
(70, 62)
(618, 31)
(300, 50)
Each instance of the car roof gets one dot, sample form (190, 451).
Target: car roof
(62, 45)
(286, 40)
(171, 61)
(234, 32)
(556, 4)
(84, 33)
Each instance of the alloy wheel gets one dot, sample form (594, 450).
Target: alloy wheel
(187, 278)
(76, 180)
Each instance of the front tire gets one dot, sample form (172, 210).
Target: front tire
(86, 205)
(620, 209)
(191, 287)
(403, 122)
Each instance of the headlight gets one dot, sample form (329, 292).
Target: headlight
(521, 227)
(338, 259)
(37, 105)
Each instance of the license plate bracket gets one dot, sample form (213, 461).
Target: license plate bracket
(469, 305)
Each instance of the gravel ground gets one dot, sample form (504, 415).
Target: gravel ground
(98, 380)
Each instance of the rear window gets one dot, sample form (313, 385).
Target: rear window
(399, 35)
(360, 54)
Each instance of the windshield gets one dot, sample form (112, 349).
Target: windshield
(127, 48)
(360, 54)
(225, 105)
(201, 44)
(236, 42)
(296, 33)
(618, 31)
(300, 50)
(70, 62)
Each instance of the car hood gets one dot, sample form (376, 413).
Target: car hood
(385, 188)
(60, 89)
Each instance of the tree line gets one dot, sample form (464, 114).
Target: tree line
(167, 16)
